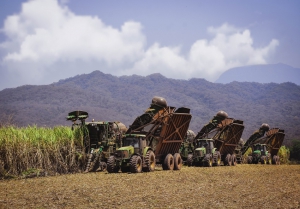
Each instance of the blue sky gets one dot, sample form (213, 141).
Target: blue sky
(43, 41)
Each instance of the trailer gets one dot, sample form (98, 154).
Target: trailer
(227, 139)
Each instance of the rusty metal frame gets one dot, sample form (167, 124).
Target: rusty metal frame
(228, 136)
(171, 127)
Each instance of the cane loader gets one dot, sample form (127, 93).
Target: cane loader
(265, 144)
(243, 147)
(101, 139)
(216, 142)
(153, 138)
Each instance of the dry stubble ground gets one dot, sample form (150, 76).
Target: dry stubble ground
(242, 186)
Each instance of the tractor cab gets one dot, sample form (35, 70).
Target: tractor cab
(137, 141)
(203, 147)
(208, 144)
(260, 148)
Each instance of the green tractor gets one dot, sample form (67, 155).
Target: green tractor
(204, 154)
(101, 139)
(134, 156)
(259, 154)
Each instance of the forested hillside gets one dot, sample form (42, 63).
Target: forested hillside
(108, 97)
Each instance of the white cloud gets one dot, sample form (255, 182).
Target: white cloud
(49, 32)
(46, 42)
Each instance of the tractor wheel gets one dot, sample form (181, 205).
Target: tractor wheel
(177, 161)
(233, 160)
(207, 160)
(136, 164)
(150, 161)
(263, 160)
(111, 165)
(168, 162)
(228, 160)
(269, 159)
(275, 160)
(217, 159)
(189, 160)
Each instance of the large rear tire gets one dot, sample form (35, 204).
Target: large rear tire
(269, 159)
(233, 160)
(217, 159)
(177, 161)
(136, 164)
(263, 160)
(276, 160)
(168, 162)
(150, 161)
(228, 160)
(111, 165)
(208, 160)
(189, 160)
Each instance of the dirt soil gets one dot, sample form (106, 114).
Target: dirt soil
(242, 186)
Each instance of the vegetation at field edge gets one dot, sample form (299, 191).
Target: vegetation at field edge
(39, 151)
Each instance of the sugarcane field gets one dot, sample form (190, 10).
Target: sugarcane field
(156, 162)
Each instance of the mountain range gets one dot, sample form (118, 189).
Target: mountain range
(111, 98)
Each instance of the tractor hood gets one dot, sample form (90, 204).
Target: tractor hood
(130, 149)
(200, 148)
(200, 152)
(258, 152)
(124, 152)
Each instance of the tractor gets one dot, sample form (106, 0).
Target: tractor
(101, 139)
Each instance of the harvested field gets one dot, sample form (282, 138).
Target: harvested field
(242, 186)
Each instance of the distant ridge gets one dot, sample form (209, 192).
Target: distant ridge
(271, 73)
